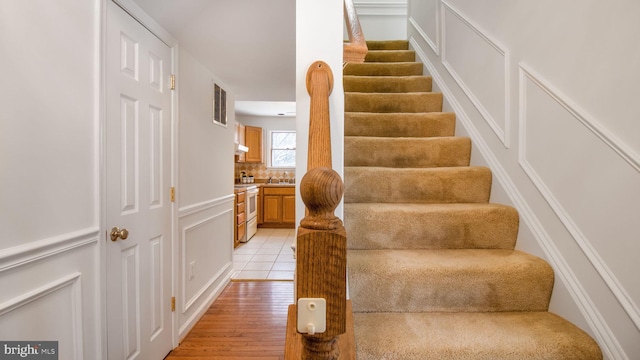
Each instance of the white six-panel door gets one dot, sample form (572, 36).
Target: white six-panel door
(138, 150)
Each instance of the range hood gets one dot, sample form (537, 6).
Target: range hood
(240, 149)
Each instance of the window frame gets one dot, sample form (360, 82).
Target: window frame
(271, 148)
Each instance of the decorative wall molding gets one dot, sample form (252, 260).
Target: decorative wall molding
(527, 74)
(612, 141)
(502, 132)
(597, 323)
(433, 44)
(387, 8)
(225, 269)
(73, 281)
(191, 321)
(205, 205)
(41, 249)
(187, 303)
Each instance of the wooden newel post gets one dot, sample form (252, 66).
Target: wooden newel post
(321, 255)
(321, 250)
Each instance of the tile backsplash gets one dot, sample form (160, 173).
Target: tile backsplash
(261, 173)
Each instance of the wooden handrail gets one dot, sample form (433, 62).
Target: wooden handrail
(355, 49)
(321, 248)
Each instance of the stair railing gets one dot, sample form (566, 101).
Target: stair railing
(321, 241)
(356, 48)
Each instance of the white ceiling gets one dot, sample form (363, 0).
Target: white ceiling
(248, 44)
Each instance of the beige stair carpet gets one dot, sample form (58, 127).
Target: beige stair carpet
(432, 269)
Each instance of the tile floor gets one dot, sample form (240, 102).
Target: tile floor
(267, 255)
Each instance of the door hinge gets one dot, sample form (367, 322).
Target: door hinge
(173, 303)
(173, 82)
(172, 194)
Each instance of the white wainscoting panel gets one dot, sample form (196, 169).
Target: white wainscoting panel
(205, 256)
(425, 18)
(56, 311)
(480, 66)
(199, 248)
(602, 331)
(586, 182)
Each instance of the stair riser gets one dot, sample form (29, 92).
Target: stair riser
(439, 185)
(405, 125)
(490, 336)
(387, 45)
(384, 69)
(390, 56)
(393, 103)
(407, 152)
(452, 226)
(428, 281)
(387, 84)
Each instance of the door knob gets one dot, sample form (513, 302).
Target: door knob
(116, 233)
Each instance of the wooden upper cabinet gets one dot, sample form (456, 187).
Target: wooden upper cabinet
(240, 137)
(253, 140)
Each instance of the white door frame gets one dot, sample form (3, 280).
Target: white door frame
(143, 18)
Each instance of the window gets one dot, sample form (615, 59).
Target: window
(283, 149)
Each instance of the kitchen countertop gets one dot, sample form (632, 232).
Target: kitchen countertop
(278, 185)
(247, 186)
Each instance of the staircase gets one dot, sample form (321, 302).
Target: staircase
(432, 269)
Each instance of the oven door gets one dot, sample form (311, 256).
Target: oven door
(252, 204)
(252, 213)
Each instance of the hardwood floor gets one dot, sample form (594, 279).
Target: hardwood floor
(247, 321)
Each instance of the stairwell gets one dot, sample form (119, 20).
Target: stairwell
(432, 269)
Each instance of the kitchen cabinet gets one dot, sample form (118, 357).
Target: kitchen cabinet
(253, 140)
(239, 137)
(260, 205)
(279, 206)
(251, 137)
(240, 228)
(289, 209)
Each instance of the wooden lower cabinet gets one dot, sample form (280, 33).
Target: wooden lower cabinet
(272, 209)
(279, 207)
(240, 228)
(289, 209)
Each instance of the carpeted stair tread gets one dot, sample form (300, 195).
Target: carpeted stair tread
(415, 102)
(383, 69)
(438, 280)
(430, 226)
(399, 124)
(407, 152)
(471, 336)
(432, 269)
(373, 45)
(390, 56)
(470, 184)
(387, 84)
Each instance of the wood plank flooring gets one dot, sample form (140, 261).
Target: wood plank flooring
(248, 321)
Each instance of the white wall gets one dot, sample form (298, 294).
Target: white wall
(318, 37)
(382, 19)
(204, 192)
(49, 184)
(547, 90)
